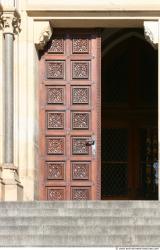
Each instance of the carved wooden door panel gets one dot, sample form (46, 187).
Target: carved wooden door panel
(69, 94)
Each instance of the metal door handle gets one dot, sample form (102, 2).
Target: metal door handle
(90, 142)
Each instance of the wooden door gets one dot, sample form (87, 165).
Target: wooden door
(69, 114)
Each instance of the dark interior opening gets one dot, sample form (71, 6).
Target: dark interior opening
(129, 117)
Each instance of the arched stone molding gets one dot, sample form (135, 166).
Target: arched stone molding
(151, 32)
(42, 33)
(120, 39)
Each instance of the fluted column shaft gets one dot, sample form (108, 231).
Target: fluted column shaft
(9, 119)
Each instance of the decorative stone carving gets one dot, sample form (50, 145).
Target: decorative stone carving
(10, 22)
(44, 38)
(151, 32)
(42, 33)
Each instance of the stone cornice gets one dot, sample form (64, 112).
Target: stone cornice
(94, 8)
(94, 5)
(10, 20)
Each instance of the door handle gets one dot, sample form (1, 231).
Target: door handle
(90, 142)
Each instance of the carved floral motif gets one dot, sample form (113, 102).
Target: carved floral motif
(80, 70)
(80, 171)
(80, 95)
(55, 95)
(55, 70)
(55, 194)
(80, 45)
(57, 46)
(55, 145)
(80, 194)
(55, 120)
(55, 171)
(80, 120)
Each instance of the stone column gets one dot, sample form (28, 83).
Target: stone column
(1, 180)
(10, 20)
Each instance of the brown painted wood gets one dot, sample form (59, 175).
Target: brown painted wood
(69, 108)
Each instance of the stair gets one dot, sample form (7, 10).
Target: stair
(80, 223)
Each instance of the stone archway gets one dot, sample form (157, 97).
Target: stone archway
(129, 117)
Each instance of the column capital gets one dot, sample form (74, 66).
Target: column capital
(10, 21)
(151, 32)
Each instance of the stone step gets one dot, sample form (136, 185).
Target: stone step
(77, 240)
(81, 212)
(80, 223)
(64, 240)
(81, 204)
(80, 230)
(71, 221)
